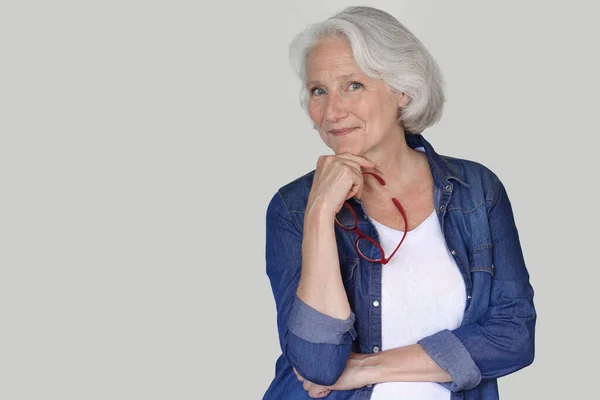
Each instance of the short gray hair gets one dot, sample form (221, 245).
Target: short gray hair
(383, 49)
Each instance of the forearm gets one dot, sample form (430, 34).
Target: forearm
(321, 286)
(404, 364)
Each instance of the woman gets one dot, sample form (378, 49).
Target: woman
(397, 273)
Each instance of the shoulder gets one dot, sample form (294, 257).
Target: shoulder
(471, 171)
(294, 195)
(478, 180)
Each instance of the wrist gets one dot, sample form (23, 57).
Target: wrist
(318, 213)
(373, 369)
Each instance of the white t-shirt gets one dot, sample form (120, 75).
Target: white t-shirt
(423, 293)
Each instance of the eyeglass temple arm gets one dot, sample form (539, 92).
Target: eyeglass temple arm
(401, 209)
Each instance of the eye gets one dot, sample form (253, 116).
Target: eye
(317, 91)
(355, 86)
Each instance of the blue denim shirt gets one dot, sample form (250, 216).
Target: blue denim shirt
(497, 332)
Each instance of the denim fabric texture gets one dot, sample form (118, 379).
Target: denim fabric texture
(496, 337)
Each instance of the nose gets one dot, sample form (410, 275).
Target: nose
(336, 108)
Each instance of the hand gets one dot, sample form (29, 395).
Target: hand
(314, 391)
(337, 178)
(355, 376)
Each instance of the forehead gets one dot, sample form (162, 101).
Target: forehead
(331, 56)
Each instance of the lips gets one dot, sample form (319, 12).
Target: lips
(341, 132)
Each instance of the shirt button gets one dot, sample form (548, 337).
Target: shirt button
(375, 349)
(376, 303)
(469, 297)
(453, 252)
(442, 208)
(369, 385)
(448, 188)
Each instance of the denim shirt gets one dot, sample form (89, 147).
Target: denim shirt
(496, 336)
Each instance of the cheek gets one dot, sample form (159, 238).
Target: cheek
(315, 111)
(392, 107)
(381, 113)
(365, 111)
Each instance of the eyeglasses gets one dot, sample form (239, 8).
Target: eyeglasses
(365, 244)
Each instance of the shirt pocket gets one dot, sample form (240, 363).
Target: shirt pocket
(348, 269)
(481, 267)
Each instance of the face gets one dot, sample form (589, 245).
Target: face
(353, 113)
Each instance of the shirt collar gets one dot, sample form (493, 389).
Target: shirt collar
(440, 167)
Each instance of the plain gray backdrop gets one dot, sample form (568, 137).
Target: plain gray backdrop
(142, 140)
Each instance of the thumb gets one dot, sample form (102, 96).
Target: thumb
(359, 193)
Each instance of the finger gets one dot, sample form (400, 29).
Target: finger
(359, 194)
(350, 163)
(318, 392)
(335, 163)
(362, 161)
(298, 376)
(354, 190)
(306, 385)
(358, 185)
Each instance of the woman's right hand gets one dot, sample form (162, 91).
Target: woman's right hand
(337, 178)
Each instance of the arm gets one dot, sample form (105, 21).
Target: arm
(336, 179)
(316, 344)
(313, 314)
(321, 286)
(404, 364)
(503, 341)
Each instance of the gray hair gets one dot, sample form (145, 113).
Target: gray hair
(383, 49)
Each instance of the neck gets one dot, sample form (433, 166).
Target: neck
(396, 162)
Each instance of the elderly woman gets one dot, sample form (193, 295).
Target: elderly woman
(397, 272)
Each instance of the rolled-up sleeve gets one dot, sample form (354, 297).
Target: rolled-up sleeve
(316, 344)
(503, 341)
(452, 356)
(313, 326)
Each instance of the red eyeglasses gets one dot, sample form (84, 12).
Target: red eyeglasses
(366, 244)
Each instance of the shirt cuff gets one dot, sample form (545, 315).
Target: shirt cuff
(452, 356)
(316, 327)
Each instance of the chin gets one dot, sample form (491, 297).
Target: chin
(356, 150)
(345, 146)
(345, 149)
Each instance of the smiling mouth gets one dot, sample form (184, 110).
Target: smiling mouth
(341, 132)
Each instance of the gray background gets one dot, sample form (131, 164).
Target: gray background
(142, 140)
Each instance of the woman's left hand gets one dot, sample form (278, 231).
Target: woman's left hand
(355, 376)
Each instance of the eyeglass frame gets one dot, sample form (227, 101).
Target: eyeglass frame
(361, 235)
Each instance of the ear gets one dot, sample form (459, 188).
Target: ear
(403, 99)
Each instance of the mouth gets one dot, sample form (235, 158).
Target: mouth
(341, 132)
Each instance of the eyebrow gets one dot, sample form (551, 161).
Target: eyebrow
(343, 77)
